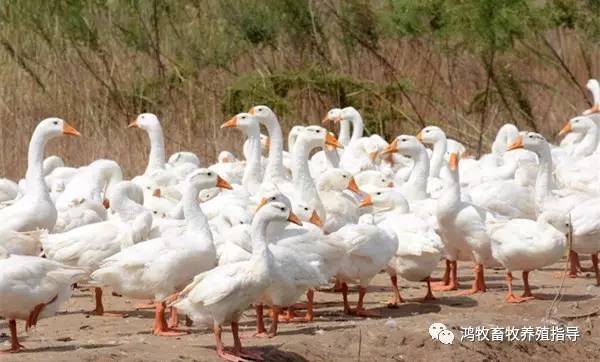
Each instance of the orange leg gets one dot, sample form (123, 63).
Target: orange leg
(453, 282)
(310, 296)
(360, 309)
(99, 311)
(173, 318)
(274, 322)
(260, 322)
(511, 297)
(288, 316)
(429, 295)
(15, 346)
(237, 346)
(527, 295)
(446, 277)
(396, 297)
(478, 283)
(596, 268)
(345, 298)
(573, 261)
(160, 324)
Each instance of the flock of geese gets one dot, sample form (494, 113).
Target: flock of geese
(211, 242)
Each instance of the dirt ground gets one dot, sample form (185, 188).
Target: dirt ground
(400, 334)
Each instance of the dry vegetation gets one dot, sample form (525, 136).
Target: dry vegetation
(466, 65)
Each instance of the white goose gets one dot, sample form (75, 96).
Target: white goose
(220, 296)
(160, 267)
(419, 247)
(527, 245)
(35, 209)
(341, 209)
(86, 246)
(274, 172)
(32, 288)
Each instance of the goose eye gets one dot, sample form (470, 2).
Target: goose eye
(530, 136)
(318, 131)
(148, 187)
(210, 174)
(282, 209)
(241, 223)
(155, 212)
(306, 209)
(273, 198)
(55, 123)
(426, 131)
(379, 193)
(344, 176)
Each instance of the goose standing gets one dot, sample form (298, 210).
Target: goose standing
(160, 267)
(220, 296)
(341, 209)
(32, 288)
(274, 172)
(35, 210)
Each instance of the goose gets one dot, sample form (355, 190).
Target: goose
(547, 197)
(462, 227)
(51, 163)
(585, 219)
(87, 246)
(229, 167)
(287, 155)
(527, 245)
(160, 267)
(252, 173)
(183, 157)
(335, 115)
(594, 88)
(83, 201)
(419, 247)
(371, 180)
(367, 250)
(352, 115)
(340, 208)
(32, 288)
(324, 160)
(35, 210)
(8, 190)
(149, 123)
(274, 172)
(220, 296)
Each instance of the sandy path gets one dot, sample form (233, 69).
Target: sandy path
(73, 336)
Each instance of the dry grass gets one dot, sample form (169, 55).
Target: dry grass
(441, 89)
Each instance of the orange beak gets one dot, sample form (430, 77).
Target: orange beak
(69, 130)
(262, 203)
(392, 148)
(352, 186)
(325, 120)
(420, 136)
(453, 161)
(566, 129)
(106, 204)
(252, 111)
(232, 123)
(330, 140)
(293, 218)
(315, 219)
(367, 201)
(391, 184)
(223, 184)
(156, 193)
(518, 143)
(133, 124)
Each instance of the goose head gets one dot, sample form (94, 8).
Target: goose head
(349, 114)
(263, 113)
(244, 121)
(293, 136)
(307, 214)
(386, 199)
(334, 115)
(317, 137)
(204, 178)
(54, 127)
(235, 215)
(146, 121)
(179, 158)
(558, 220)
(273, 196)
(531, 141)
(593, 87)
(226, 157)
(580, 124)
(277, 211)
(336, 179)
(406, 146)
(430, 135)
(373, 179)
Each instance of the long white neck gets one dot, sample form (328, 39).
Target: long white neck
(344, 136)
(416, 185)
(437, 157)
(588, 143)
(358, 127)
(35, 158)
(274, 171)
(196, 221)
(332, 158)
(252, 172)
(260, 251)
(304, 185)
(449, 201)
(543, 182)
(595, 94)
(156, 159)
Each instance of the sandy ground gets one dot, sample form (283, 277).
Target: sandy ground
(401, 334)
